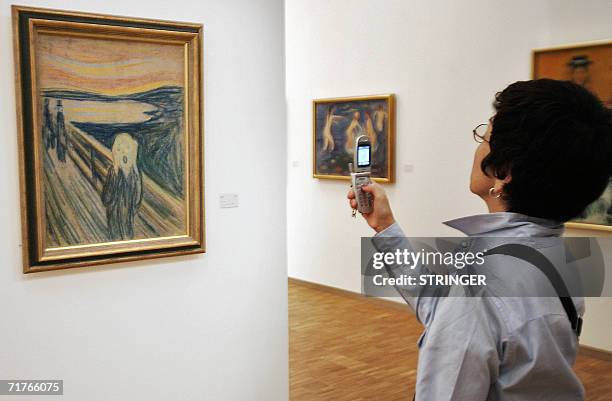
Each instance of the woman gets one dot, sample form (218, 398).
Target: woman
(379, 117)
(328, 138)
(369, 129)
(354, 130)
(545, 155)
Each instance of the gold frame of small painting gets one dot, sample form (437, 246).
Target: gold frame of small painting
(110, 132)
(589, 64)
(336, 122)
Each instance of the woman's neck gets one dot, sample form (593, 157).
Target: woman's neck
(496, 205)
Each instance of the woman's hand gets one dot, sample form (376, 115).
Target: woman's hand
(381, 216)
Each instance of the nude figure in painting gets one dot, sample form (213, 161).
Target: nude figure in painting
(369, 129)
(328, 139)
(353, 131)
(379, 118)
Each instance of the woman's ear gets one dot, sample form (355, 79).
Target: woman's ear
(501, 183)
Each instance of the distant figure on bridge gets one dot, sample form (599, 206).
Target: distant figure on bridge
(61, 134)
(47, 129)
(122, 192)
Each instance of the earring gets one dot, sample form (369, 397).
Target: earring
(492, 192)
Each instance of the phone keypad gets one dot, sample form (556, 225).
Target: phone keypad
(364, 198)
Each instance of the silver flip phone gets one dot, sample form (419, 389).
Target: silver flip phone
(360, 173)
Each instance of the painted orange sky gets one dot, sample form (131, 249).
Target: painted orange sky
(112, 67)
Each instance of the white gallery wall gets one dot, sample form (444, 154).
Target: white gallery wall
(444, 60)
(207, 327)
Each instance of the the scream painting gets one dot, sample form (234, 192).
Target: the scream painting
(111, 137)
(112, 116)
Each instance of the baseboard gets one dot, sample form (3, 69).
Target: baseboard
(596, 353)
(387, 303)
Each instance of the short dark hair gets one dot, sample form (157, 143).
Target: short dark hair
(554, 138)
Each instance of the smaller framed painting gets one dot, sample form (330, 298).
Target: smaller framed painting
(337, 122)
(589, 65)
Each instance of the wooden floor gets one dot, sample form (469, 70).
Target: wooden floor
(344, 347)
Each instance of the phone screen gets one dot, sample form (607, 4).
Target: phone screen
(363, 155)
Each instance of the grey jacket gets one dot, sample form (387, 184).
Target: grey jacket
(494, 348)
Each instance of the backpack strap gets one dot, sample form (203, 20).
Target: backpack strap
(540, 261)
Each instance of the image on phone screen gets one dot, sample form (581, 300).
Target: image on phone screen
(363, 156)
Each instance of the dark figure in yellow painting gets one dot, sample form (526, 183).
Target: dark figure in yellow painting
(60, 133)
(122, 192)
(579, 66)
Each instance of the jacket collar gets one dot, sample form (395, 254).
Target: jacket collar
(506, 224)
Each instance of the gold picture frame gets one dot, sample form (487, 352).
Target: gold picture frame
(373, 115)
(110, 131)
(588, 64)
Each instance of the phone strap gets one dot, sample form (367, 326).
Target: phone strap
(540, 261)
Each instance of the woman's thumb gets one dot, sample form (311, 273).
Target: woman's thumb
(370, 188)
